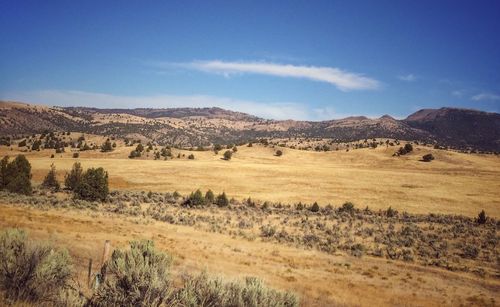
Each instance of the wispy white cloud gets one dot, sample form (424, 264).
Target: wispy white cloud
(343, 80)
(408, 78)
(485, 96)
(273, 110)
(458, 93)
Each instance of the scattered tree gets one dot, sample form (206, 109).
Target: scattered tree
(481, 217)
(195, 199)
(428, 158)
(209, 197)
(107, 146)
(222, 200)
(227, 155)
(16, 175)
(314, 207)
(279, 153)
(93, 185)
(50, 180)
(72, 179)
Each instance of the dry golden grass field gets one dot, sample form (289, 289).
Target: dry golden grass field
(454, 183)
(320, 279)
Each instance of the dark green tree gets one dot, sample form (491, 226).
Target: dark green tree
(93, 185)
(107, 146)
(195, 199)
(314, 207)
(16, 175)
(481, 217)
(222, 200)
(209, 197)
(50, 180)
(73, 178)
(227, 155)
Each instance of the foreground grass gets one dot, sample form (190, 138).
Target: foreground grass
(216, 240)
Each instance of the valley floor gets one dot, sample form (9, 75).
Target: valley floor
(320, 279)
(454, 183)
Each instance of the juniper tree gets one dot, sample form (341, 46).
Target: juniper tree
(72, 178)
(50, 180)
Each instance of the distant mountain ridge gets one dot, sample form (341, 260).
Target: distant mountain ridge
(458, 128)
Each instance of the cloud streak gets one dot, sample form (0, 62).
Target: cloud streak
(408, 78)
(485, 96)
(273, 110)
(343, 80)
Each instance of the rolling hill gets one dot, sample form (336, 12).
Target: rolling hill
(455, 128)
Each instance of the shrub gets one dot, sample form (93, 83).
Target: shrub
(408, 147)
(347, 207)
(314, 207)
(72, 178)
(209, 197)
(357, 250)
(31, 272)
(191, 157)
(222, 200)
(134, 154)
(16, 175)
(22, 143)
(227, 155)
(107, 146)
(50, 180)
(135, 277)
(139, 148)
(235, 149)
(267, 231)
(93, 185)
(204, 291)
(481, 217)
(391, 212)
(427, 158)
(76, 155)
(279, 153)
(217, 147)
(195, 199)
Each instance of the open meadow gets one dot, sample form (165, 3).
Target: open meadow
(454, 183)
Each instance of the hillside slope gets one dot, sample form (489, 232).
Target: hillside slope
(457, 128)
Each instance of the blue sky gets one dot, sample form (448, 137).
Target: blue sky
(277, 59)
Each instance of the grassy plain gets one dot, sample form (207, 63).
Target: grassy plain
(320, 279)
(454, 183)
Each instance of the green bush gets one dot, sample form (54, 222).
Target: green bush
(135, 277)
(107, 146)
(481, 217)
(16, 175)
(314, 207)
(222, 200)
(134, 154)
(427, 158)
(204, 291)
(347, 207)
(50, 180)
(31, 272)
(195, 199)
(93, 185)
(228, 155)
(72, 178)
(209, 197)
